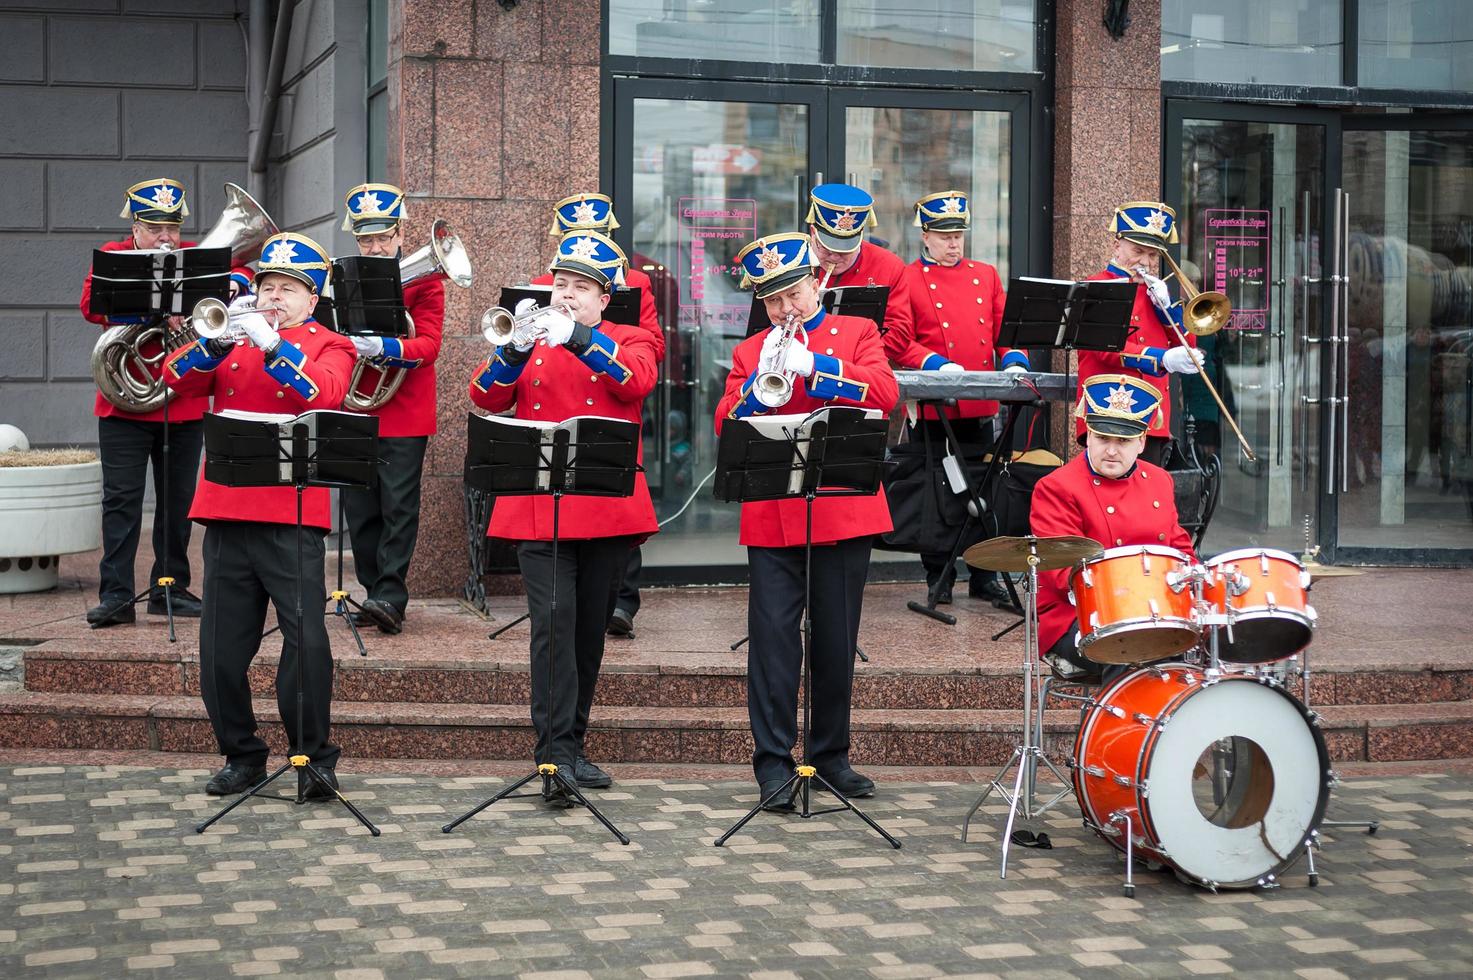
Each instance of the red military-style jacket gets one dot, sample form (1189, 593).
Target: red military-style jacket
(182, 408)
(649, 317)
(411, 412)
(611, 379)
(310, 371)
(850, 368)
(1138, 508)
(884, 268)
(1145, 345)
(956, 312)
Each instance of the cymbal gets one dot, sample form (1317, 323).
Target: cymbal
(1011, 554)
(1316, 570)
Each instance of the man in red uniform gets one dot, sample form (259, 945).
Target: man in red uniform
(285, 363)
(586, 367)
(595, 212)
(1108, 493)
(956, 311)
(128, 440)
(838, 217)
(833, 360)
(383, 521)
(1143, 230)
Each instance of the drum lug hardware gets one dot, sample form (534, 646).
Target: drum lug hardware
(1089, 579)
(1210, 886)
(1267, 883)
(1147, 720)
(1094, 771)
(1332, 778)
(1125, 781)
(1239, 584)
(1144, 789)
(1176, 581)
(1273, 604)
(1314, 718)
(1094, 620)
(1155, 611)
(1146, 562)
(1263, 561)
(1115, 710)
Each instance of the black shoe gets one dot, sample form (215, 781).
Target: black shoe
(1073, 671)
(360, 619)
(311, 790)
(849, 782)
(115, 613)
(185, 604)
(555, 794)
(784, 801)
(589, 776)
(384, 615)
(236, 777)
(990, 589)
(621, 624)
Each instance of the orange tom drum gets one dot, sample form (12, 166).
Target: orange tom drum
(1132, 608)
(1264, 594)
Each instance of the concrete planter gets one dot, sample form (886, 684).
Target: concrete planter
(46, 512)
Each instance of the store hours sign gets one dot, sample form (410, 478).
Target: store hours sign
(1239, 243)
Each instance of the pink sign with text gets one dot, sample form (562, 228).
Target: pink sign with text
(712, 231)
(1239, 243)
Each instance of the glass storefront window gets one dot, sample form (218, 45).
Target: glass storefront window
(1277, 42)
(902, 154)
(1418, 44)
(780, 31)
(952, 35)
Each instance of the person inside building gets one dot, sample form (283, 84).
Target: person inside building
(585, 366)
(956, 311)
(833, 360)
(127, 439)
(1109, 493)
(1143, 230)
(595, 212)
(285, 363)
(839, 219)
(383, 521)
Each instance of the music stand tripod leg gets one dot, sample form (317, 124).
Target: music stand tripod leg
(344, 604)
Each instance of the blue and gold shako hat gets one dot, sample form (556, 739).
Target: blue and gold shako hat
(772, 264)
(947, 211)
(1118, 405)
(1146, 223)
(591, 254)
(583, 212)
(840, 213)
(297, 256)
(373, 209)
(159, 201)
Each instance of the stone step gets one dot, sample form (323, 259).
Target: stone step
(885, 737)
(63, 667)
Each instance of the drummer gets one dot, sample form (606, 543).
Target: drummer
(1107, 493)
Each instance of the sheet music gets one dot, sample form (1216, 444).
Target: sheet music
(285, 423)
(799, 428)
(545, 430)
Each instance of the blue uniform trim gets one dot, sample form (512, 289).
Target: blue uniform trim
(1169, 317)
(828, 381)
(193, 358)
(393, 355)
(748, 404)
(1148, 360)
(499, 371)
(287, 369)
(1018, 357)
(1116, 271)
(933, 362)
(602, 355)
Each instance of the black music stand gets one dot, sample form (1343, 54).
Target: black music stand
(317, 449)
(150, 286)
(623, 305)
(583, 456)
(868, 302)
(833, 452)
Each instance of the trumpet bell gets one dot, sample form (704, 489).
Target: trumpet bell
(210, 319)
(498, 326)
(442, 257)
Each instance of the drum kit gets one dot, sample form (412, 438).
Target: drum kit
(1193, 752)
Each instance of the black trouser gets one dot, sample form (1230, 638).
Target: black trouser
(775, 652)
(976, 438)
(246, 564)
(126, 448)
(588, 574)
(628, 599)
(383, 520)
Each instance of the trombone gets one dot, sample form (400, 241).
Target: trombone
(1203, 313)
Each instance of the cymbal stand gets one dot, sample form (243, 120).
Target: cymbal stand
(1029, 752)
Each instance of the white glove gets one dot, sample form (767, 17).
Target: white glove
(1160, 293)
(769, 348)
(798, 359)
(559, 330)
(1182, 360)
(528, 303)
(1015, 369)
(951, 367)
(368, 346)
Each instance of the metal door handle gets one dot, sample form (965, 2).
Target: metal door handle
(1345, 349)
(1331, 400)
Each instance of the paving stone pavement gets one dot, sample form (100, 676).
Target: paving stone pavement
(102, 875)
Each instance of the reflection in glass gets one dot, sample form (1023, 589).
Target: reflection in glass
(1284, 42)
(1409, 468)
(770, 31)
(1423, 44)
(900, 155)
(708, 178)
(955, 35)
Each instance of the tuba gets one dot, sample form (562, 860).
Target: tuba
(442, 257)
(132, 380)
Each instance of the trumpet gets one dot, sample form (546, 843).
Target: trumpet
(213, 320)
(501, 327)
(774, 386)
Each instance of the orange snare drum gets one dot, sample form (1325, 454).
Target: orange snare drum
(1224, 780)
(1264, 593)
(1129, 613)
